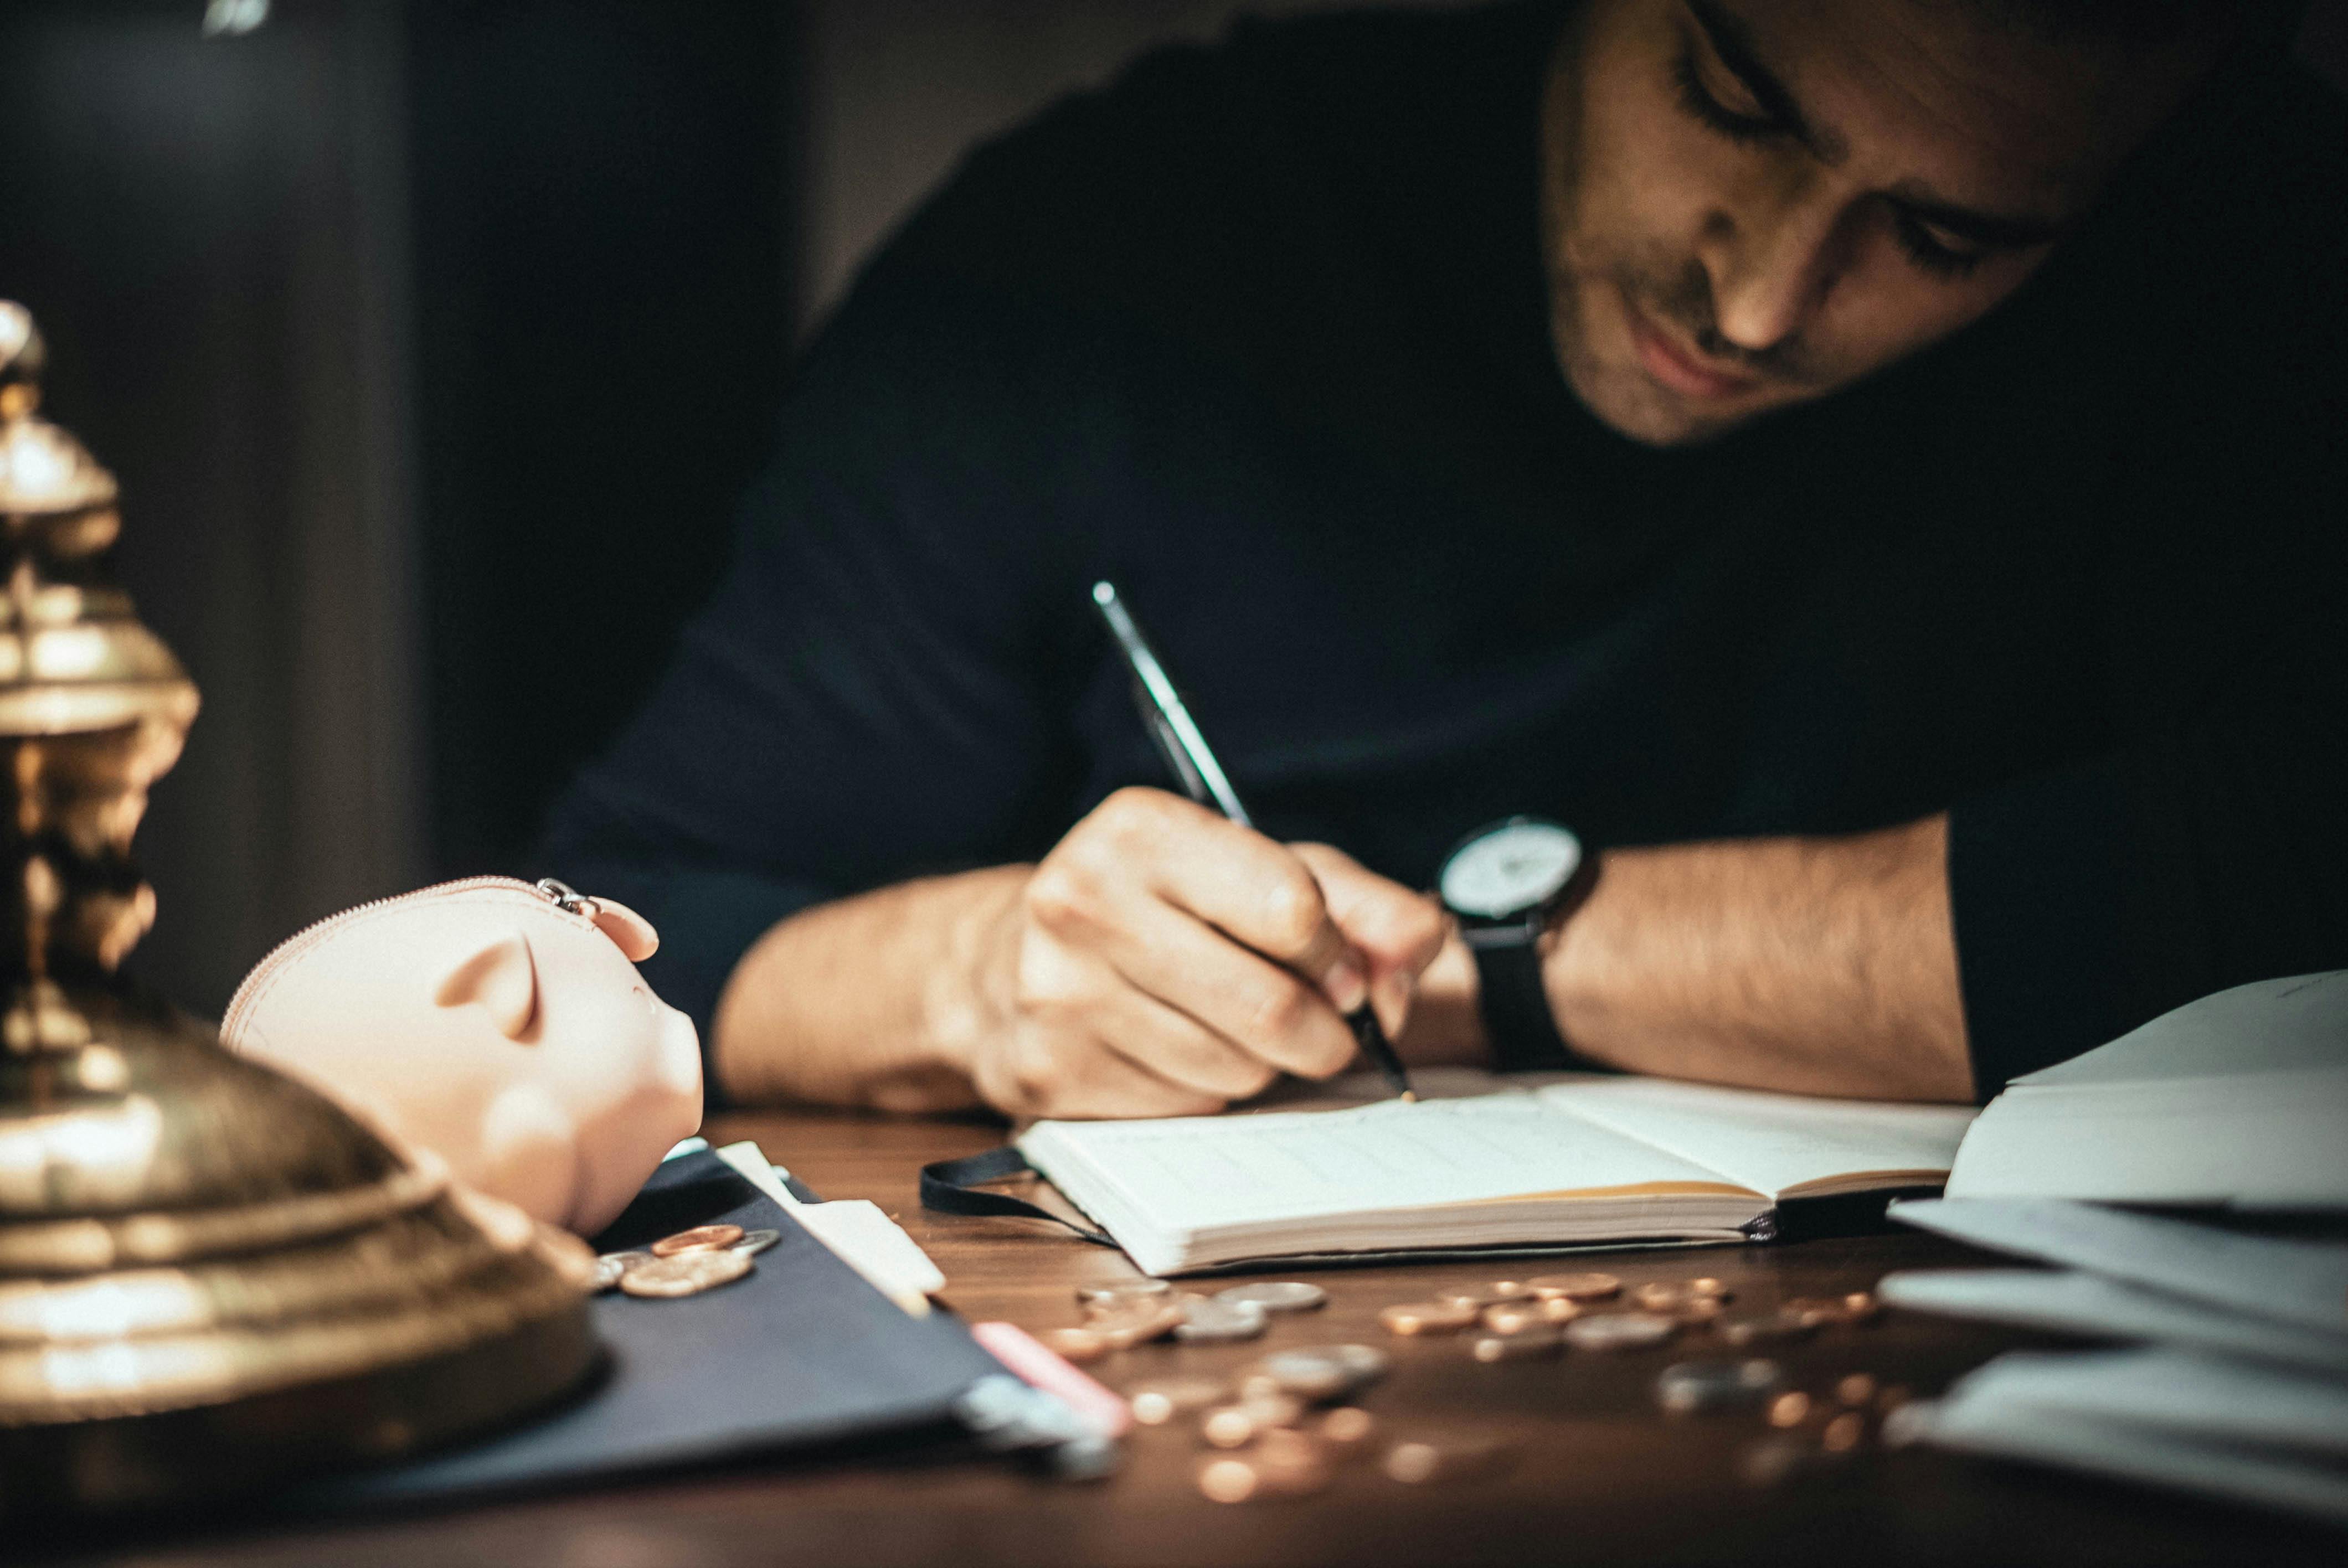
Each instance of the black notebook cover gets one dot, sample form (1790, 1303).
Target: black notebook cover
(801, 1354)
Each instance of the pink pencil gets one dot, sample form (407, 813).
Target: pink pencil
(1039, 1367)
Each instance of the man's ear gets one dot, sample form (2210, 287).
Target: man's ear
(502, 978)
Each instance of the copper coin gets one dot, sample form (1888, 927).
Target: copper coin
(1121, 1292)
(1789, 1409)
(1856, 1390)
(684, 1274)
(1574, 1287)
(1229, 1426)
(1141, 1322)
(1490, 1294)
(1347, 1426)
(1702, 1309)
(700, 1238)
(1619, 1331)
(1229, 1480)
(1156, 1404)
(1526, 1345)
(1558, 1308)
(1515, 1318)
(1074, 1344)
(1428, 1316)
(1817, 1310)
(1289, 1464)
(1860, 1306)
(1677, 1295)
(1843, 1433)
(1419, 1459)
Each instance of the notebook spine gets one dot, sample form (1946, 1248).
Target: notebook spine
(1761, 1227)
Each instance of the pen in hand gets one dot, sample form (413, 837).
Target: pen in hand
(1194, 762)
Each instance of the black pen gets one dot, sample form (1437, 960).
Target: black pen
(1193, 760)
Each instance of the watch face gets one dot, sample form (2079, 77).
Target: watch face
(1516, 866)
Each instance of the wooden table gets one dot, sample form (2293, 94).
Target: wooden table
(1599, 1473)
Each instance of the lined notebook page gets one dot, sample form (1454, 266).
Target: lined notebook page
(1195, 1172)
(1769, 1142)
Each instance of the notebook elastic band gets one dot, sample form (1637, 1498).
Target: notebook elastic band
(955, 1187)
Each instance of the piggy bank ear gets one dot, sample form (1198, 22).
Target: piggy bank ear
(501, 977)
(630, 932)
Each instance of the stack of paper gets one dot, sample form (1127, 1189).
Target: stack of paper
(2241, 1391)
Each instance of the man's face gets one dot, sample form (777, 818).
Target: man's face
(1747, 204)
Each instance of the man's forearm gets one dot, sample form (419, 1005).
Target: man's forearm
(1824, 966)
(869, 1001)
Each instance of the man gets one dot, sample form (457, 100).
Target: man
(1868, 467)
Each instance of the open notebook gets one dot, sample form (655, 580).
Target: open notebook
(1588, 1159)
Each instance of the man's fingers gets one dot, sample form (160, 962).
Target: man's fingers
(1398, 931)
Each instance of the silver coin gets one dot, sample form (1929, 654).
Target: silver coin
(1121, 1292)
(1326, 1373)
(1619, 1331)
(753, 1243)
(1213, 1320)
(1692, 1387)
(1530, 1344)
(1760, 1328)
(1278, 1295)
(611, 1265)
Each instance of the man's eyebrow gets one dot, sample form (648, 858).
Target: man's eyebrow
(2004, 231)
(1732, 42)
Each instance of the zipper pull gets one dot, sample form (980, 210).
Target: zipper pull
(569, 899)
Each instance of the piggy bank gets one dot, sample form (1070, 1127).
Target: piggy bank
(500, 1025)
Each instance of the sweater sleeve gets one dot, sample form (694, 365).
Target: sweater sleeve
(874, 693)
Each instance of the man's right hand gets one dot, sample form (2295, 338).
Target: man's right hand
(1163, 961)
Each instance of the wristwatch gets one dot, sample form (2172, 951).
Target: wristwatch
(1505, 884)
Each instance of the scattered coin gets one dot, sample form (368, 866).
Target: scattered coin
(1490, 1294)
(1556, 1308)
(1843, 1433)
(1574, 1287)
(1074, 1343)
(1523, 1344)
(1693, 1387)
(1701, 1311)
(1678, 1295)
(1289, 1462)
(1228, 1481)
(1121, 1292)
(700, 1238)
(1347, 1426)
(1088, 1457)
(1619, 1331)
(684, 1274)
(1419, 1459)
(1861, 1306)
(1789, 1409)
(612, 1265)
(1856, 1390)
(1154, 1404)
(1277, 1294)
(1891, 1399)
(1136, 1324)
(753, 1243)
(1210, 1319)
(1322, 1373)
(1516, 1318)
(1429, 1317)
(1236, 1426)
(1817, 1310)
(1772, 1461)
(1762, 1328)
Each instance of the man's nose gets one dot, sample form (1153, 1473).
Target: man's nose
(1772, 261)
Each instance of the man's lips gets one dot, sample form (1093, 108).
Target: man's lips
(1677, 369)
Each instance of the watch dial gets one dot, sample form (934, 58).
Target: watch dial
(1510, 869)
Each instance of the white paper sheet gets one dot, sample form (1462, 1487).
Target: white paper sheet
(2287, 1281)
(2077, 1303)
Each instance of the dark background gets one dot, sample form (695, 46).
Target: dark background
(432, 343)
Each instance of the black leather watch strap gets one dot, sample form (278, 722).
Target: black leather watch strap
(1517, 1020)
